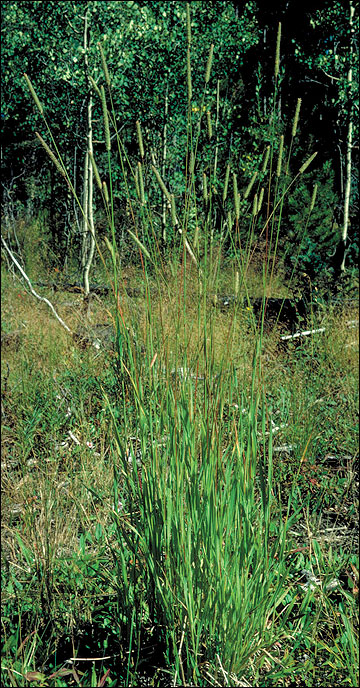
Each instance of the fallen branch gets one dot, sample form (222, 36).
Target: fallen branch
(301, 334)
(306, 333)
(32, 290)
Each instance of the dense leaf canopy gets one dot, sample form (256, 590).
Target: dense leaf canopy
(145, 46)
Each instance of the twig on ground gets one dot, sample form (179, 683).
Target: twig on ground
(32, 290)
(301, 334)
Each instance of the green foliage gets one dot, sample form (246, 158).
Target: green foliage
(148, 38)
(308, 248)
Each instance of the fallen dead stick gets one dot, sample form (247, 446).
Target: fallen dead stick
(34, 293)
(306, 333)
(90, 659)
(301, 334)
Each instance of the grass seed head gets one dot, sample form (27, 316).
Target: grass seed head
(161, 183)
(188, 72)
(192, 163)
(141, 183)
(95, 86)
(266, 160)
(140, 139)
(188, 23)
(209, 124)
(51, 156)
(313, 198)
(236, 197)
(205, 188)
(279, 162)
(106, 193)
(226, 182)
(277, 54)
(296, 117)
(104, 66)
(255, 205)
(209, 63)
(96, 171)
(261, 198)
(106, 120)
(136, 179)
(32, 91)
(307, 163)
(250, 185)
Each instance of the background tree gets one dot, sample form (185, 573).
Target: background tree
(145, 48)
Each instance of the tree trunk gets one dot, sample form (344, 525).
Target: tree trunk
(348, 150)
(85, 221)
(347, 194)
(90, 205)
(88, 244)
